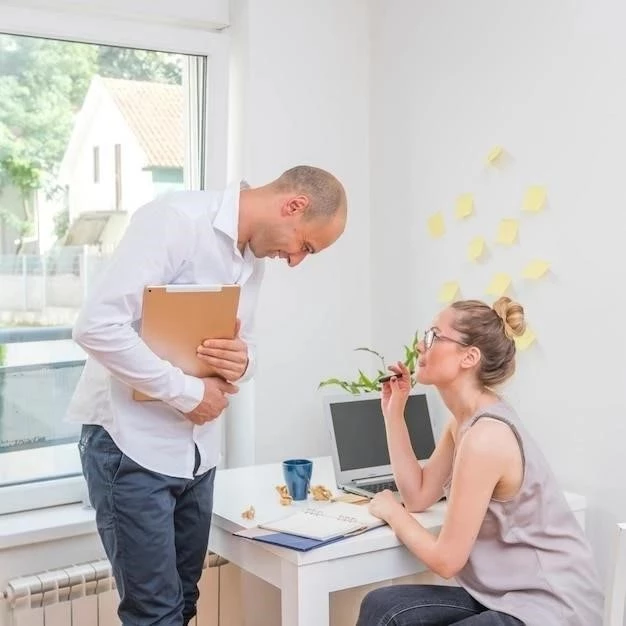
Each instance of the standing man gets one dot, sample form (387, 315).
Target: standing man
(150, 466)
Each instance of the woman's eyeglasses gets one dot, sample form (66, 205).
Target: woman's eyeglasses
(431, 334)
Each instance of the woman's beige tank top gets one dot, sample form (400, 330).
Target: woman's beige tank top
(531, 558)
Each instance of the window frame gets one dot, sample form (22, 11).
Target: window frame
(80, 25)
(117, 168)
(84, 27)
(96, 165)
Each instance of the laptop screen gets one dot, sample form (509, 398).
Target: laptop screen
(360, 431)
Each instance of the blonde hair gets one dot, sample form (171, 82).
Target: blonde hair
(492, 330)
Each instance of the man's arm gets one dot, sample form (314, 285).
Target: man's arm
(154, 248)
(247, 316)
(235, 359)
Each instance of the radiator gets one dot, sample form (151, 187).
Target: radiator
(85, 595)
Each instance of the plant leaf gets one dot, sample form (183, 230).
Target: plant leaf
(364, 381)
(332, 381)
(380, 356)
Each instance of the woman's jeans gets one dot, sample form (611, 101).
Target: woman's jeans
(427, 605)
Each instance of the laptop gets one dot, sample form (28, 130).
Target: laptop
(359, 442)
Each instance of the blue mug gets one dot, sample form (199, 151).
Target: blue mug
(297, 474)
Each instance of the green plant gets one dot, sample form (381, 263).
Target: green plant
(61, 223)
(364, 383)
(25, 176)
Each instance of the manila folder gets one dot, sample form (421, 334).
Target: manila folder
(176, 319)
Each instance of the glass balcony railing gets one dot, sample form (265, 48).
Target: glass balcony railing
(39, 370)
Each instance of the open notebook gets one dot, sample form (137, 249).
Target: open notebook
(315, 525)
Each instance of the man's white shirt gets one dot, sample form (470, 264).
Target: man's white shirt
(187, 237)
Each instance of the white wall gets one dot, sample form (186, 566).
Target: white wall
(451, 79)
(301, 72)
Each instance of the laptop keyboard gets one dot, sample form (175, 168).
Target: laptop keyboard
(376, 487)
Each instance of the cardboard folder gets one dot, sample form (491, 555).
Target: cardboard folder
(176, 319)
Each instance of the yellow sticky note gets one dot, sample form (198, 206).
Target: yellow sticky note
(499, 284)
(536, 269)
(448, 291)
(436, 226)
(526, 340)
(476, 248)
(507, 232)
(534, 199)
(494, 154)
(464, 206)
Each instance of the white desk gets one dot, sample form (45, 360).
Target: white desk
(307, 578)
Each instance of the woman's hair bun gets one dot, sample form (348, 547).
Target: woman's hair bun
(512, 315)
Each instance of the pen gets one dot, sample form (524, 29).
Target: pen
(386, 379)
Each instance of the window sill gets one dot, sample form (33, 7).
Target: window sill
(58, 522)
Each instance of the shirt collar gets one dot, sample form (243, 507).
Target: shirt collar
(227, 217)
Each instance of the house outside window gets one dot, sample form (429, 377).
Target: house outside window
(139, 126)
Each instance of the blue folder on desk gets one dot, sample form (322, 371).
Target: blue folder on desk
(284, 540)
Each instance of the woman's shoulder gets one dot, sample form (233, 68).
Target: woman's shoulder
(497, 423)
(500, 410)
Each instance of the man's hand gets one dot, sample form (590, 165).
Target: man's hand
(229, 357)
(213, 402)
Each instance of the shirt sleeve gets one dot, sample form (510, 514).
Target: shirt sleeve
(247, 316)
(153, 250)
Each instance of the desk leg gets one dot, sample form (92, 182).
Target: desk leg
(304, 595)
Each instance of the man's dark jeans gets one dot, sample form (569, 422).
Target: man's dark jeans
(427, 605)
(155, 531)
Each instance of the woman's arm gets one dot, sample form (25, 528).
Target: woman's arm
(419, 487)
(487, 451)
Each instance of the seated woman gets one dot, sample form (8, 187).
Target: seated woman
(509, 536)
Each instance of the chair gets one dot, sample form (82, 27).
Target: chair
(616, 591)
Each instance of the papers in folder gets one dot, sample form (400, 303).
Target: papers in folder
(314, 526)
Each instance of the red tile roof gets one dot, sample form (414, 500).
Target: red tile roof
(154, 112)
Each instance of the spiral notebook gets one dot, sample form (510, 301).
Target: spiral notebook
(315, 525)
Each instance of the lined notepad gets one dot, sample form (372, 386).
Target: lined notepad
(336, 519)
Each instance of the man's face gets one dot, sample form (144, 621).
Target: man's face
(291, 236)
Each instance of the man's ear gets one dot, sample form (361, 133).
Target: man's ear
(471, 358)
(296, 205)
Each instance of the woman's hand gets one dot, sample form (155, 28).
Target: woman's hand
(395, 392)
(384, 505)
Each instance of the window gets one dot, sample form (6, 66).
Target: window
(160, 115)
(96, 164)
